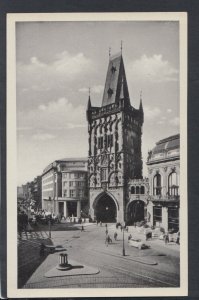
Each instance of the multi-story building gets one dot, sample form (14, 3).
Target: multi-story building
(114, 157)
(36, 191)
(164, 181)
(64, 187)
(138, 200)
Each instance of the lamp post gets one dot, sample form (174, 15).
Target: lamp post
(49, 222)
(123, 248)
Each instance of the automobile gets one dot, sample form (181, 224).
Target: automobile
(137, 243)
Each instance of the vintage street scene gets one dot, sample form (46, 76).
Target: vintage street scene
(98, 154)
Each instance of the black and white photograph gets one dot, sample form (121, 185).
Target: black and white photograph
(96, 118)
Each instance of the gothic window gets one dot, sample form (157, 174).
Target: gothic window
(132, 190)
(173, 186)
(157, 184)
(137, 190)
(103, 174)
(142, 190)
(110, 140)
(113, 69)
(100, 142)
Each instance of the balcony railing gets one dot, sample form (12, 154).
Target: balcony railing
(165, 197)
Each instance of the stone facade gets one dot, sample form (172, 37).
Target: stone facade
(138, 200)
(114, 157)
(64, 187)
(164, 180)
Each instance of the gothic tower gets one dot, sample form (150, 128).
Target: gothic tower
(114, 157)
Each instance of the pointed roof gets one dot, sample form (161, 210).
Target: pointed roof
(116, 84)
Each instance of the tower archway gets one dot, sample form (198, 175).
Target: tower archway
(105, 209)
(135, 211)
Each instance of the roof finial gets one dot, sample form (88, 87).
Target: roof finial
(141, 95)
(121, 47)
(109, 52)
(89, 91)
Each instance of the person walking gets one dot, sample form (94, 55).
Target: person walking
(82, 229)
(100, 223)
(115, 236)
(106, 231)
(166, 238)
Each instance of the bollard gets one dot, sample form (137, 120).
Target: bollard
(63, 262)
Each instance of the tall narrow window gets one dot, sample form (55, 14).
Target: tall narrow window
(137, 190)
(142, 189)
(157, 184)
(132, 190)
(103, 174)
(173, 185)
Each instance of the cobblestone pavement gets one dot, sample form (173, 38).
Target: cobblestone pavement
(135, 269)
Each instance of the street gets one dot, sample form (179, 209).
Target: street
(157, 266)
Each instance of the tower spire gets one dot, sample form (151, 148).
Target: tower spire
(121, 46)
(109, 52)
(141, 108)
(89, 99)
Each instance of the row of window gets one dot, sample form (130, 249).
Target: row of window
(73, 175)
(74, 193)
(138, 190)
(73, 183)
(106, 140)
(173, 184)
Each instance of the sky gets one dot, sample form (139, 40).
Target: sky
(56, 63)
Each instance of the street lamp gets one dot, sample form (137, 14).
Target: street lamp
(49, 222)
(123, 248)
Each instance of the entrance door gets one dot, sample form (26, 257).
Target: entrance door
(72, 208)
(135, 212)
(105, 209)
(173, 218)
(61, 208)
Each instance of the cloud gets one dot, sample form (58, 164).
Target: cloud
(153, 68)
(160, 122)
(55, 115)
(175, 121)
(42, 136)
(42, 76)
(96, 89)
(150, 113)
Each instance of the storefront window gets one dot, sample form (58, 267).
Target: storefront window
(157, 215)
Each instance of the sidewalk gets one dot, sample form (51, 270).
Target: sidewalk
(138, 233)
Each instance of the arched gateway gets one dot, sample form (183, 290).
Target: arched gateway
(105, 209)
(135, 211)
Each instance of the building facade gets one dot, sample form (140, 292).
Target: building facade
(64, 187)
(164, 180)
(138, 200)
(114, 157)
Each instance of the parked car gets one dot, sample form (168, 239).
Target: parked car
(137, 243)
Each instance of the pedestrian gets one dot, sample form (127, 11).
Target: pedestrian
(100, 223)
(82, 228)
(106, 231)
(166, 238)
(127, 229)
(129, 237)
(115, 236)
(106, 225)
